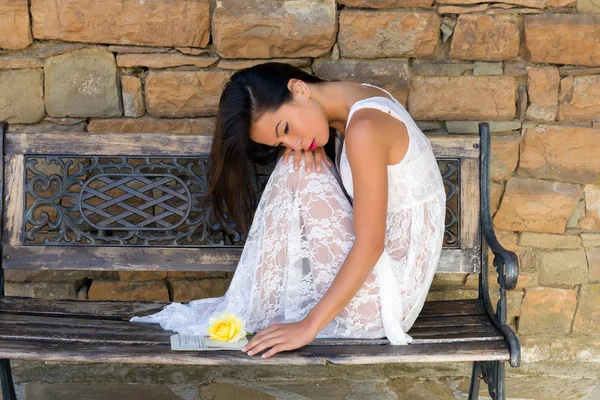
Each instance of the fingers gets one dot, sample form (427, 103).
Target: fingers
(286, 154)
(297, 158)
(318, 160)
(274, 350)
(267, 342)
(308, 160)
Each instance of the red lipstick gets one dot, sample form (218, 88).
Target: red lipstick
(313, 145)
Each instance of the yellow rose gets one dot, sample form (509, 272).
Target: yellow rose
(227, 327)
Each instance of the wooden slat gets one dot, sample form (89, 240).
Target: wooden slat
(164, 144)
(13, 183)
(124, 325)
(307, 355)
(119, 332)
(84, 308)
(124, 310)
(469, 216)
(130, 258)
(123, 258)
(458, 261)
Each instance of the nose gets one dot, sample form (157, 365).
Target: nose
(296, 144)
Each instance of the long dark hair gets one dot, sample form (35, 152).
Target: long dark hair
(234, 157)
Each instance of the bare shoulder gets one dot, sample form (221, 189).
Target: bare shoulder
(379, 132)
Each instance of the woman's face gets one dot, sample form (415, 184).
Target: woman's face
(294, 124)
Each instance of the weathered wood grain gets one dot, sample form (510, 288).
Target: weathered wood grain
(307, 355)
(13, 201)
(163, 144)
(470, 236)
(124, 258)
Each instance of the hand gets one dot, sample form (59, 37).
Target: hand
(280, 337)
(318, 155)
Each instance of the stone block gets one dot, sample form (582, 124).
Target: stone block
(266, 29)
(562, 267)
(549, 241)
(525, 3)
(50, 275)
(128, 291)
(496, 191)
(593, 257)
(152, 23)
(587, 319)
(473, 126)
(229, 390)
(387, 3)
(588, 6)
(133, 99)
(580, 98)
(562, 39)
(486, 37)
(451, 294)
(82, 83)
(488, 68)
(542, 90)
(504, 157)
(184, 93)
(392, 75)
(383, 34)
(15, 25)
(22, 99)
(464, 97)
(43, 290)
(406, 388)
(203, 126)
(536, 205)
(560, 152)
(164, 60)
(20, 62)
(187, 290)
(441, 68)
(98, 390)
(591, 219)
(547, 310)
(142, 275)
(236, 65)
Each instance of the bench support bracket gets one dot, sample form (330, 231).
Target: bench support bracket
(8, 386)
(492, 373)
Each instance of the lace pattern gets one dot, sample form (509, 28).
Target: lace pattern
(301, 234)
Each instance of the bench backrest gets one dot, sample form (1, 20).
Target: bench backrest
(114, 201)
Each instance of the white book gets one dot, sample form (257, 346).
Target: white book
(201, 343)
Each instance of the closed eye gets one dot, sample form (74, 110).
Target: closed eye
(285, 131)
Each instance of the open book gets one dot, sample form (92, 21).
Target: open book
(201, 343)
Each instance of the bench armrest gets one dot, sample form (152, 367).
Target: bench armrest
(505, 261)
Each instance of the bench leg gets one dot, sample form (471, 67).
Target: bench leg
(492, 373)
(8, 386)
(474, 389)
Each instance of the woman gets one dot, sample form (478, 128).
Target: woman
(316, 265)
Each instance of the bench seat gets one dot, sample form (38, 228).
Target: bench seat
(99, 331)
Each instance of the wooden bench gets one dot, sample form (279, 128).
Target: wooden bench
(129, 202)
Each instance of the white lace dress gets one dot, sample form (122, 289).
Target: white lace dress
(302, 232)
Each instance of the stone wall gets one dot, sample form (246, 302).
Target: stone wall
(530, 67)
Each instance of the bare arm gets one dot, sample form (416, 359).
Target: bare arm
(368, 161)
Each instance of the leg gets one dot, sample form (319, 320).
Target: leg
(300, 236)
(8, 387)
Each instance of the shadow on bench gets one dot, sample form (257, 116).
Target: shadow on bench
(128, 202)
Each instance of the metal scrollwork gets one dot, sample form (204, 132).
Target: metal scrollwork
(140, 201)
(145, 201)
(449, 169)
